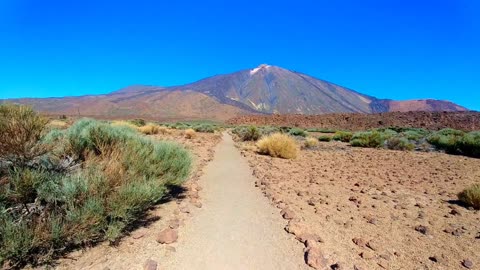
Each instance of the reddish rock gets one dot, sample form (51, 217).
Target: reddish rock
(167, 236)
(287, 214)
(150, 265)
(294, 227)
(315, 258)
(359, 242)
(373, 245)
(174, 223)
(367, 254)
(421, 229)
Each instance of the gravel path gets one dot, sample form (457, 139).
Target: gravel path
(236, 228)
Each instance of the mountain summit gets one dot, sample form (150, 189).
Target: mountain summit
(265, 89)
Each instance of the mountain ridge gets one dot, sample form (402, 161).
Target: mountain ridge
(265, 89)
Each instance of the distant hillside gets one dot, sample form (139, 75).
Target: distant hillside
(262, 90)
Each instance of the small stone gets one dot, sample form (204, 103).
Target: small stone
(287, 214)
(336, 266)
(304, 237)
(421, 229)
(367, 254)
(467, 264)
(138, 234)
(167, 236)
(455, 212)
(457, 232)
(171, 249)
(294, 227)
(197, 204)
(359, 242)
(373, 245)
(433, 259)
(150, 265)
(174, 223)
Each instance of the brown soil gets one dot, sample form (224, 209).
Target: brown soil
(399, 207)
(135, 249)
(429, 120)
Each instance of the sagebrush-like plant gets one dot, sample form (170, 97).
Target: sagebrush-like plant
(471, 196)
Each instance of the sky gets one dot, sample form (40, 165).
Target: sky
(398, 49)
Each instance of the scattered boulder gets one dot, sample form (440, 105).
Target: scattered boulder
(167, 236)
(315, 258)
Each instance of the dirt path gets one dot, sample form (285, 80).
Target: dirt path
(236, 228)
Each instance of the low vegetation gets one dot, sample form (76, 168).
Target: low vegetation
(343, 136)
(149, 129)
(457, 142)
(298, 132)
(253, 133)
(471, 196)
(324, 138)
(278, 145)
(77, 186)
(190, 133)
(311, 142)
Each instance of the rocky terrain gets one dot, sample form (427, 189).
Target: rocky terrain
(150, 241)
(467, 121)
(360, 208)
(265, 89)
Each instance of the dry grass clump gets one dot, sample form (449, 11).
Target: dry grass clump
(149, 129)
(121, 123)
(311, 142)
(278, 145)
(471, 196)
(57, 124)
(190, 133)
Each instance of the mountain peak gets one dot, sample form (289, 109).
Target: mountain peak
(260, 67)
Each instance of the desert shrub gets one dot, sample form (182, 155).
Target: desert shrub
(343, 136)
(399, 143)
(325, 138)
(298, 132)
(278, 145)
(267, 130)
(250, 133)
(138, 122)
(119, 123)
(190, 133)
(21, 130)
(471, 196)
(469, 144)
(57, 124)
(205, 128)
(371, 139)
(311, 142)
(321, 130)
(149, 129)
(121, 175)
(415, 134)
(447, 140)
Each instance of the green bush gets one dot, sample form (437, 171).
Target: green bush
(469, 144)
(447, 140)
(321, 130)
(298, 132)
(252, 133)
(471, 196)
(371, 139)
(138, 122)
(399, 143)
(343, 136)
(205, 128)
(122, 174)
(324, 138)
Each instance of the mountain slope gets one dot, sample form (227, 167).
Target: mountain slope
(262, 90)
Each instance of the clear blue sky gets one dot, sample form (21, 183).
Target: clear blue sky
(400, 49)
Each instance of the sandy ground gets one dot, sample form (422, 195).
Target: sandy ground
(134, 250)
(236, 228)
(377, 209)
